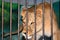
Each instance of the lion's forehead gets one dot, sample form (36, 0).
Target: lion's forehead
(31, 17)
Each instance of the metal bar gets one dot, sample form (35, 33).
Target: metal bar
(26, 19)
(2, 17)
(51, 15)
(10, 19)
(35, 19)
(18, 19)
(43, 10)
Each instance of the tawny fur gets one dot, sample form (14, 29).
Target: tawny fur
(47, 21)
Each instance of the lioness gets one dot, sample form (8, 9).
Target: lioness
(47, 22)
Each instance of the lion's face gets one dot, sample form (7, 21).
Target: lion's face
(31, 23)
(29, 32)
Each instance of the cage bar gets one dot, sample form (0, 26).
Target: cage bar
(18, 19)
(35, 19)
(51, 15)
(43, 11)
(26, 19)
(2, 17)
(10, 19)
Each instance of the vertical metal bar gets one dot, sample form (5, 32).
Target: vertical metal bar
(2, 17)
(26, 19)
(35, 19)
(10, 19)
(43, 10)
(51, 15)
(18, 18)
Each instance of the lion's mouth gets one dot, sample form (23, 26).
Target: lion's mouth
(29, 37)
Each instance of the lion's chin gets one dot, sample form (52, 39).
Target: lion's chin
(29, 37)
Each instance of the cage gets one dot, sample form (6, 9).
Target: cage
(40, 13)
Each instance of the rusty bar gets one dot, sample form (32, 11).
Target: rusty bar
(35, 19)
(26, 19)
(10, 19)
(18, 19)
(2, 17)
(51, 15)
(43, 10)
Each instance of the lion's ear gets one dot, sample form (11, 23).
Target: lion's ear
(39, 12)
(24, 8)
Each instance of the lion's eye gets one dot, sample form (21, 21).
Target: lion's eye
(32, 22)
